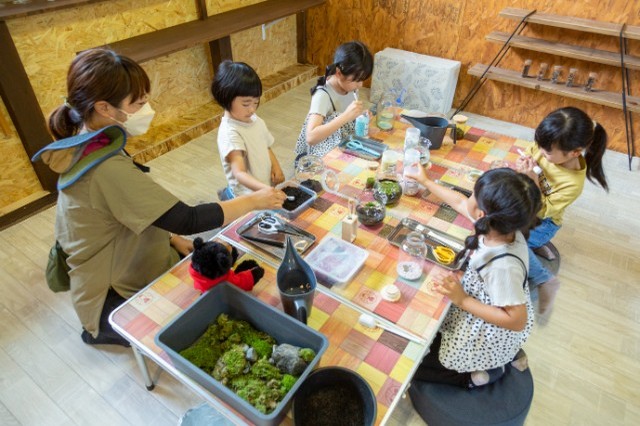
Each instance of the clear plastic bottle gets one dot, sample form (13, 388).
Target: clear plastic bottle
(411, 164)
(411, 258)
(362, 125)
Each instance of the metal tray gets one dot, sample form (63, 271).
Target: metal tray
(433, 237)
(274, 244)
(369, 143)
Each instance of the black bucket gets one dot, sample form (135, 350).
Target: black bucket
(329, 394)
(432, 128)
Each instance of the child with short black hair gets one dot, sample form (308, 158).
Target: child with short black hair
(492, 315)
(334, 105)
(244, 142)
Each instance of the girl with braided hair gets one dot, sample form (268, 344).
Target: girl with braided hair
(492, 315)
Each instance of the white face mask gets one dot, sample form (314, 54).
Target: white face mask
(138, 123)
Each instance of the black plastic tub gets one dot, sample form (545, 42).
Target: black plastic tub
(334, 396)
(186, 328)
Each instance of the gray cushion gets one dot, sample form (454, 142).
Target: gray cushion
(505, 402)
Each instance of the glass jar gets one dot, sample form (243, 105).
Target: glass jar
(309, 172)
(385, 112)
(412, 256)
(387, 190)
(411, 138)
(369, 210)
(410, 166)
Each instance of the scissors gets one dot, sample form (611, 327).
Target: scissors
(271, 225)
(358, 146)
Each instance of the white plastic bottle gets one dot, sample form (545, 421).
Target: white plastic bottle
(411, 164)
(545, 186)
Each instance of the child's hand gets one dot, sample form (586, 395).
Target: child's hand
(525, 165)
(354, 109)
(420, 176)
(450, 286)
(276, 175)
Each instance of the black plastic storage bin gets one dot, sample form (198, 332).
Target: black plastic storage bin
(186, 328)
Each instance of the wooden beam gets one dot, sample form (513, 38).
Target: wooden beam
(28, 210)
(301, 34)
(570, 51)
(23, 107)
(170, 40)
(600, 97)
(220, 50)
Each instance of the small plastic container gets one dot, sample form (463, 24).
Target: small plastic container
(336, 261)
(292, 214)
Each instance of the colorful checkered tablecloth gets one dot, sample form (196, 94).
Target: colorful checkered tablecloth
(420, 309)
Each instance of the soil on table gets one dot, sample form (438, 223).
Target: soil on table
(301, 197)
(338, 405)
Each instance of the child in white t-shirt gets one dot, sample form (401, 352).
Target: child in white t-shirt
(491, 314)
(244, 142)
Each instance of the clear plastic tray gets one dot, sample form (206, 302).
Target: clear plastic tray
(336, 261)
(292, 214)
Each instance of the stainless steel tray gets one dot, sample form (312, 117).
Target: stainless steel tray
(274, 244)
(433, 238)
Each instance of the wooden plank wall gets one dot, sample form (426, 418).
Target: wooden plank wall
(456, 29)
(48, 42)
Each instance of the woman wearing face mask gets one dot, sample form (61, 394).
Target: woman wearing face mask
(113, 221)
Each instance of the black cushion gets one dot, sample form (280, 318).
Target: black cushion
(505, 402)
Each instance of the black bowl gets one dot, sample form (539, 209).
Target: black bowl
(334, 396)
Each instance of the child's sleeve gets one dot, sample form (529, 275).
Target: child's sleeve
(503, 282)
(267, 134)
(320, 103)
(229, 140)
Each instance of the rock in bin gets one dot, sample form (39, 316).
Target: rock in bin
(291, 359)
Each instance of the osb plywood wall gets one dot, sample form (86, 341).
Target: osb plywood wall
(48, 42)
(456, 29)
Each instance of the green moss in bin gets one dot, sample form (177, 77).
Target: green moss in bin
(222, 352)
(307, 354)
(287, 383)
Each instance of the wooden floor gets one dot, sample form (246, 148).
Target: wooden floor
(585, 362)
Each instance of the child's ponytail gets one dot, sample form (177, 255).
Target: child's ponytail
(593, 156)
(322, 80)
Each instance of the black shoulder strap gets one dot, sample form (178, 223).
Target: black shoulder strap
(330, 100)
(499, 256)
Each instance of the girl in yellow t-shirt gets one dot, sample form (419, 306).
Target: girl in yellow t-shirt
(568, 148)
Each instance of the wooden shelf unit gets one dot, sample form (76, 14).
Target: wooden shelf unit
(609, 99)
